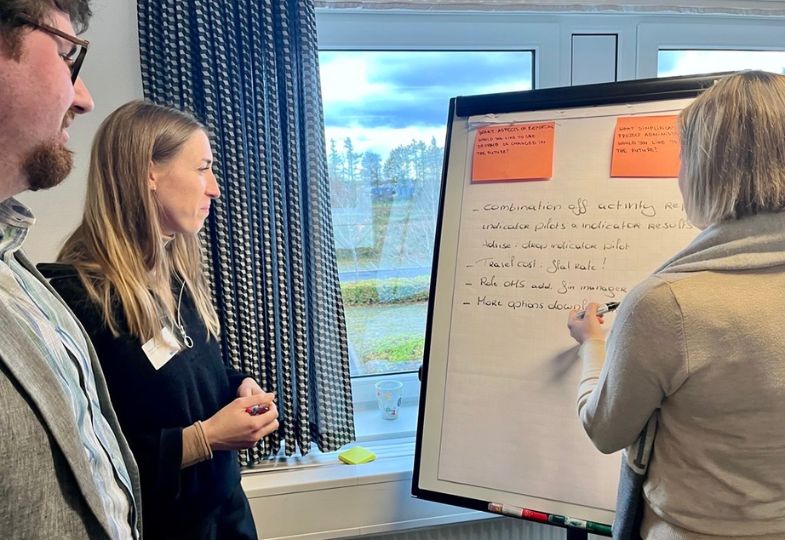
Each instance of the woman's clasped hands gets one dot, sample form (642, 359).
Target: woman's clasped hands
(233, 428)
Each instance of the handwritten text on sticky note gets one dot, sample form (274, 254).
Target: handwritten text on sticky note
(646, 147)
(513, 152)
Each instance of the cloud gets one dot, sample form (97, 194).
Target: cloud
(385, 99)
(401, 89)
(452, 69)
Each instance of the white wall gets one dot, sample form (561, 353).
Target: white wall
(112, 74)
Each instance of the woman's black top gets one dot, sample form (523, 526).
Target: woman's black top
(153, 406)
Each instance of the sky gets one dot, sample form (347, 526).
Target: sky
(383, 99)
(688, 62)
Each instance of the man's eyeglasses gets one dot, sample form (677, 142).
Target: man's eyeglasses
(75, 56)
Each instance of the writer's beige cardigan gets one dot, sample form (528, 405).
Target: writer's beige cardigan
(703, 340)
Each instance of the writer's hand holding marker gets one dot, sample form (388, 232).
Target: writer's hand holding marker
(601, 310)
(587, 324)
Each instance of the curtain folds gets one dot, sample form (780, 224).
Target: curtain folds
(249, 70)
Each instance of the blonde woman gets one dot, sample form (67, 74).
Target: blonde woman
(131, 273)
(701, 340)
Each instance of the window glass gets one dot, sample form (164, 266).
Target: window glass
(385, 118)
(687, 62)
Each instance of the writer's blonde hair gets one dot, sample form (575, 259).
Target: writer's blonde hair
(733, 148)
(119, 249)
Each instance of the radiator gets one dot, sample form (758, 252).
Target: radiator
(487, 529)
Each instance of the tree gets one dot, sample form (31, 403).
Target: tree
(335, 163)
(351, 161)
(371, 170)
(396, 167)
(415, 171)
(341, 198)
(416, 151)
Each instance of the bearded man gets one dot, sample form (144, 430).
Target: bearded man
(66, 469)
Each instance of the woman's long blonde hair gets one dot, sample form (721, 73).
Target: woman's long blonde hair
(119, 249)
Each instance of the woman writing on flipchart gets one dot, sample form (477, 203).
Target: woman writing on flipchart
(699, 346)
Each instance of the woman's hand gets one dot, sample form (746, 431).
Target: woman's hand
(249, 387)
(588, 327)
(232, 428)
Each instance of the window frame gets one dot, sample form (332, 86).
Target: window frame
(704, 33)
(379, 31)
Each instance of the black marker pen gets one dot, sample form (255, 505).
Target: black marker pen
(604, 308)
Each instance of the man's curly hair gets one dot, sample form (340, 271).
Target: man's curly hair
(11, 27)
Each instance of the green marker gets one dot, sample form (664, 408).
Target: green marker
(599, 528)
(556, 519)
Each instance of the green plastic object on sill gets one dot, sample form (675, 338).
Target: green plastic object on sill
(356, 456)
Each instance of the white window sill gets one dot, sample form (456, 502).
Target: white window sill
(370, 425)
(318, 497)
(317, 470)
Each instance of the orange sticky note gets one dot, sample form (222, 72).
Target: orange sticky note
(646, 147)
(513, 152)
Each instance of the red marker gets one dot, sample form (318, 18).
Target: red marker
(535, 516)
(257, 409)
(516, 511)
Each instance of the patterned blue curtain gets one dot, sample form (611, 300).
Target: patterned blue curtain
(249, 70)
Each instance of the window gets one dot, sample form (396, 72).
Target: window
(687, 62)
(687, 45)
(385, 123)
(387, 78)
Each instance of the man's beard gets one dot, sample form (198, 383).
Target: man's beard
(47, 165)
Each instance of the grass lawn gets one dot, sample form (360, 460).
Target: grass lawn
(390, 333)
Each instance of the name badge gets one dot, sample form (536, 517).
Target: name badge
(161, 348)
